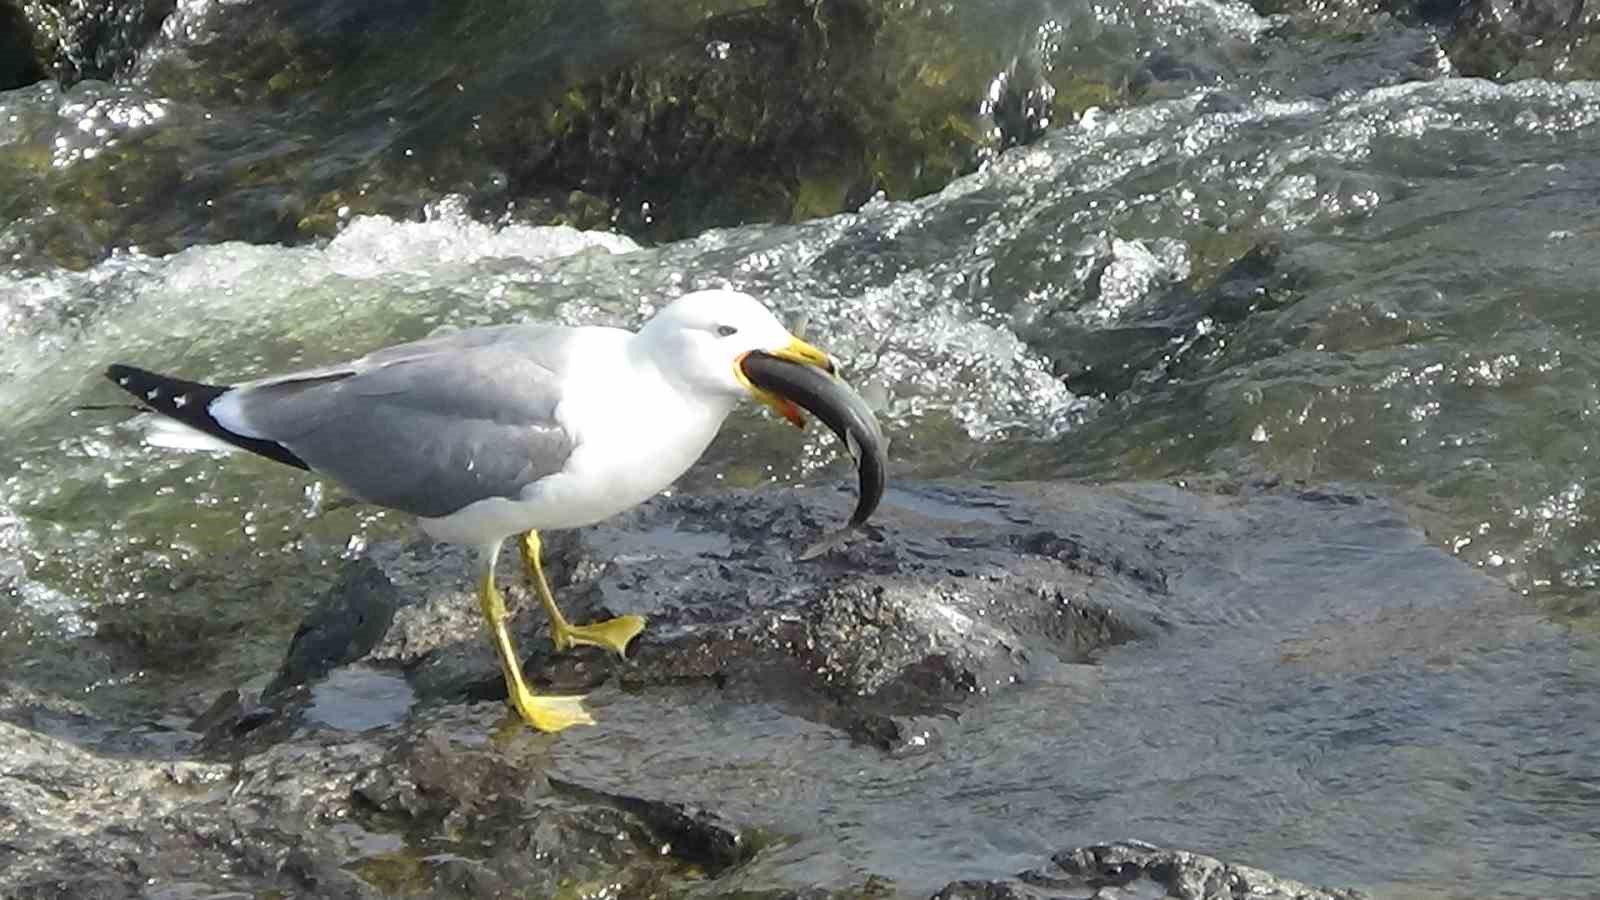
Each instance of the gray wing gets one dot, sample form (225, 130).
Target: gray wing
(427, 427)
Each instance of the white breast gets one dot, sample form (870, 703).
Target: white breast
(632, 442)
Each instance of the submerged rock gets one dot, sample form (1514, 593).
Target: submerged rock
(1500, 39)
(434, 809)
(431, 807)
(1134, 868)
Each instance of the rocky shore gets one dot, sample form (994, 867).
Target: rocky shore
(379, 762)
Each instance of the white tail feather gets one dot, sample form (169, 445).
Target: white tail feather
(160, 431)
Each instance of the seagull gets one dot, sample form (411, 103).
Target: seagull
(508, 430)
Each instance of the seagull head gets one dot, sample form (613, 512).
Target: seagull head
(705, 336)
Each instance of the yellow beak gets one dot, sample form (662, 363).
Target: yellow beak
(796, 351)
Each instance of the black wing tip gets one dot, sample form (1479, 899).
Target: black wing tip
(189, 402)
(164, 393)
(122, 375)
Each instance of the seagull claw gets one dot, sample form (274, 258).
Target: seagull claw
(612, 634)
(549, 714)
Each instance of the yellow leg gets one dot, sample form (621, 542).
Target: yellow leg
(543, 713)
(612, 634)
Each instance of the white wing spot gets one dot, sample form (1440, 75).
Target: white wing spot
(123, 381)
(180, 401)
(152, 393)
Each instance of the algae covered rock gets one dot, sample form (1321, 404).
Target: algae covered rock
(1497, 39)
(277, 122)
(780, 112)
(71, 40)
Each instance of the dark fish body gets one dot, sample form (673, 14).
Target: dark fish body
(840, 408)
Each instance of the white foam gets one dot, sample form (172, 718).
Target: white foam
(373, 246)
(211, 306)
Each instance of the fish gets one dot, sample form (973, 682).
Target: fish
(837, 405)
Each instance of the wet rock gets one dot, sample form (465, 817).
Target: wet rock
(430, 807)
(958, 592)
(1107, 361)
(656, 119)
(1554, 39)
(697, 835)
(79, 823)
(19, 62)
(750, 117)
(72, 41)
(353, 617)
(1499, 39)
(778, 112)
(1134, 868)
(952, 593)
(435, 808)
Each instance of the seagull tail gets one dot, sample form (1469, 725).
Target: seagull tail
(189, 403)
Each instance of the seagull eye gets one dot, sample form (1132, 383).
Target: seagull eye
(726, 330)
